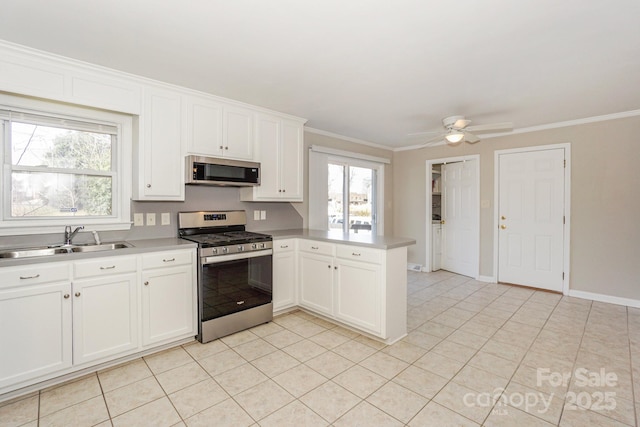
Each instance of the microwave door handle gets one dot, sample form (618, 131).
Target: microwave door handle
(234, 257)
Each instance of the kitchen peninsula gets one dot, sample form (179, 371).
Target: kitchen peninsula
(357, 280)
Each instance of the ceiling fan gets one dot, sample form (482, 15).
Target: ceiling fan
(457, 129)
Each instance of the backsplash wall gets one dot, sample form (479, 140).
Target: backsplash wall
(280, 216)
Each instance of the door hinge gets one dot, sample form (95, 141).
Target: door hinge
(563, 275)
(563, 219)
(565, 163)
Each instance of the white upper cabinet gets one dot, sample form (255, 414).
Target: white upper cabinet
(215, 129)
(203, 126)
(25, 72)
(279, 145)
(237, 133)
(158, 159)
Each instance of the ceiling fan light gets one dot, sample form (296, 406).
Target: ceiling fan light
(454, 136)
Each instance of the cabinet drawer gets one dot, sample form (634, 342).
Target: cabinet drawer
(316, 247)
(166, 259)
(358, 253)
(33, 274)
(105, 266)
(286, 245)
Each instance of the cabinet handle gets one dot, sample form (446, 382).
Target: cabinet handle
(328, 266)
(279, 191)
(77, 294)
(284, 191)
(111, 267)
(66, 296)
(284, 246)
(226, 148)
(148, 185)
(221, 147)
(239, 302)
(335, 268)
(29, 277)
(315, 247)
(168, 260)
(355, 254)
(146, 283)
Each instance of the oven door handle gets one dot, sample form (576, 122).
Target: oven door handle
(236, 256)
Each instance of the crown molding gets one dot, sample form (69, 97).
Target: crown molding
(347, 138)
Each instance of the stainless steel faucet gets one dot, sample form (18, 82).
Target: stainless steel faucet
(68, 234)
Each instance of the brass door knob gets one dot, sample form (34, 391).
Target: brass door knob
(503, 226)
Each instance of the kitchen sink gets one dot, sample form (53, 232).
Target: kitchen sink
(102, 247)
(43, 251)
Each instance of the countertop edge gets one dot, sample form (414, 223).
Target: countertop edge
(378, 242)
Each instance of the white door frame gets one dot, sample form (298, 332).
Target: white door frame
(428, 209)
(567, 206)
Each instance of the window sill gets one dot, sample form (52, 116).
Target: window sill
(17, 230)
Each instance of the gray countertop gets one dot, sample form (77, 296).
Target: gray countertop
(138, 247)
(367, 240)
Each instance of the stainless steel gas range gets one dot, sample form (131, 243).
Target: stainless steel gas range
(235, 278)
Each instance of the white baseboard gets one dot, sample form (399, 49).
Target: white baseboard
(605, 298)
(487, 279)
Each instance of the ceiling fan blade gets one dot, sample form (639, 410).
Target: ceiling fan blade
(432, 141)
(500, 127)
(461, 124)
(471, 138)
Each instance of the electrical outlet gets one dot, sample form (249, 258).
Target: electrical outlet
(151, 219)
(165, 218)
(256, 215)
(138, 219)
(263, 214)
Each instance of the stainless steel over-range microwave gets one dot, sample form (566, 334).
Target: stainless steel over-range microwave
(215, 171)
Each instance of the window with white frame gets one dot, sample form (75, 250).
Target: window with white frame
(63, 165)
(345, 191)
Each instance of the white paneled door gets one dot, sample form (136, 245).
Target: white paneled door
(460, 244)
(531, 218)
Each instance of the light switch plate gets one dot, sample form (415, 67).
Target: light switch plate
(256, 215)
(138, 219)
(165, 218)
(263, 214)
(151, 219)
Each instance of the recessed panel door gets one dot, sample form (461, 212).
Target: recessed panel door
(531, 218)
(460, 218)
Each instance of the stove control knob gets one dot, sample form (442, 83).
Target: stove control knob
(254, 246)
(214, 250)
(240, 248)
(262, 246)
(225, 250)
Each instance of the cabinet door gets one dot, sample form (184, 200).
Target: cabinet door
(105, 317)
(203, 127)
(35, 332)
(316, 282)
(161, 151)
(267, 143)
(284, 280)
(291, 165)
(358, 295)
(167, 304)
(238, 133)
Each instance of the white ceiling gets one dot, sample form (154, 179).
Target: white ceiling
(374, 70)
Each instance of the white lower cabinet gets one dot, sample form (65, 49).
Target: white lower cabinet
(35, 331)
(168, 298)
(284, 274)
(358, 294)
(105, 317)
(57, 318)
(345, 283)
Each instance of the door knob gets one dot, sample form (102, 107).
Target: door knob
(503, 226)
(442, 222)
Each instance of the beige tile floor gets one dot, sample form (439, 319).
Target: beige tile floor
(476, 354)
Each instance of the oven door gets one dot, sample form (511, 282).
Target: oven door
(233, 283)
